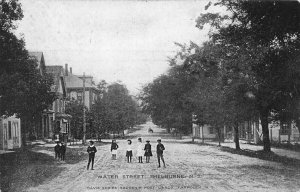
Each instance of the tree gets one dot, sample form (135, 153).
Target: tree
(23, 90)
(116, 110)
(75, 109)
(166, 99)
(265, 37)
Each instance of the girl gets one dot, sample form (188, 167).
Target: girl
(113, 149)
(148, 152)
(129, 151)
(140, 150)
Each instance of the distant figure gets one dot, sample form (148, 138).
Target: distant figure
(148, 152)
(140, 150)
(129, 151)
(114, 149)
(150, 130)
(57, 150)
(159, 151)
(62, 151)
(91, 150)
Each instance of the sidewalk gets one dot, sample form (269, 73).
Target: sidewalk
(245, 146)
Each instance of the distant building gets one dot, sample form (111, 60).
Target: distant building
(204, 132)
(74, 85)
(251, 131)
(10, 133)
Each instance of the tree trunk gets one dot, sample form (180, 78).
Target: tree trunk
(202, 133)
(236, 136)
(219, 135)
(23, 132)
(265, 129)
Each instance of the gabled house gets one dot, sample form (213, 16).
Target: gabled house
(56, 123)
(74, 85)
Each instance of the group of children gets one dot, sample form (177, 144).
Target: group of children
(141, 150)
(60, 151)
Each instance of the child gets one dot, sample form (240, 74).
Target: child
(91, 150)
(148, 152)
(159, 151)
(140, 150)
(57, 150)
(129, 151)
(113, 148)
(62, 151)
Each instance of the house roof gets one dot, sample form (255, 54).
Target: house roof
(73, 81)
(57, 73)
(37, 54)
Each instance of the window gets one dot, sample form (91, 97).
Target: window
(9, 130)
(79, 96)
(5, 131)
(211, 130)
(285, 128)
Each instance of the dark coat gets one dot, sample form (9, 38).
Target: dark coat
(147, 149)
(63, 149)
(114, 146)
(57, 149)
(160, 148)
(91, 150)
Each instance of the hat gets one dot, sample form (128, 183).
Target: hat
(147, 140)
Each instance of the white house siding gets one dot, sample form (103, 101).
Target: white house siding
(10, 133)
(208, 132)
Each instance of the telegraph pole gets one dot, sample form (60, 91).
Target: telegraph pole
(84, 122)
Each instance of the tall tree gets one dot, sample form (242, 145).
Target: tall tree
(116, 110)
(265, 37)
(23, 90)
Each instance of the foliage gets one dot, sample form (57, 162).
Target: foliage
(116, 110)
(75, 109)
(166, 99)
(262, 39)
(24, 91)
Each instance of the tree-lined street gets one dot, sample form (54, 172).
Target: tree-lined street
(217, 81)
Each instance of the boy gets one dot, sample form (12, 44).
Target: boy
(159, 151)
(62, 151)
(57, 150)
(91, 150)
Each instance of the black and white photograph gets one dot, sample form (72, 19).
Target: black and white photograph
(149, 95)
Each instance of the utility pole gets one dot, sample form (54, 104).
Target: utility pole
(84, 122)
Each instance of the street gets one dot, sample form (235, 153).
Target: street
(189, 167)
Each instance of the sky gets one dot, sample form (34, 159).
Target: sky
(129, 41)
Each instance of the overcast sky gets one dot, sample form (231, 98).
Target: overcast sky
(112, 40)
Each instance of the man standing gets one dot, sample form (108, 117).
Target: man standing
(91, 150)
(159, 151)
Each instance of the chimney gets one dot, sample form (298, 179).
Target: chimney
(71, 70)
(66, 69)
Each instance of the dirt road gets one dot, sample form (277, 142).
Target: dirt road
(189, 167)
